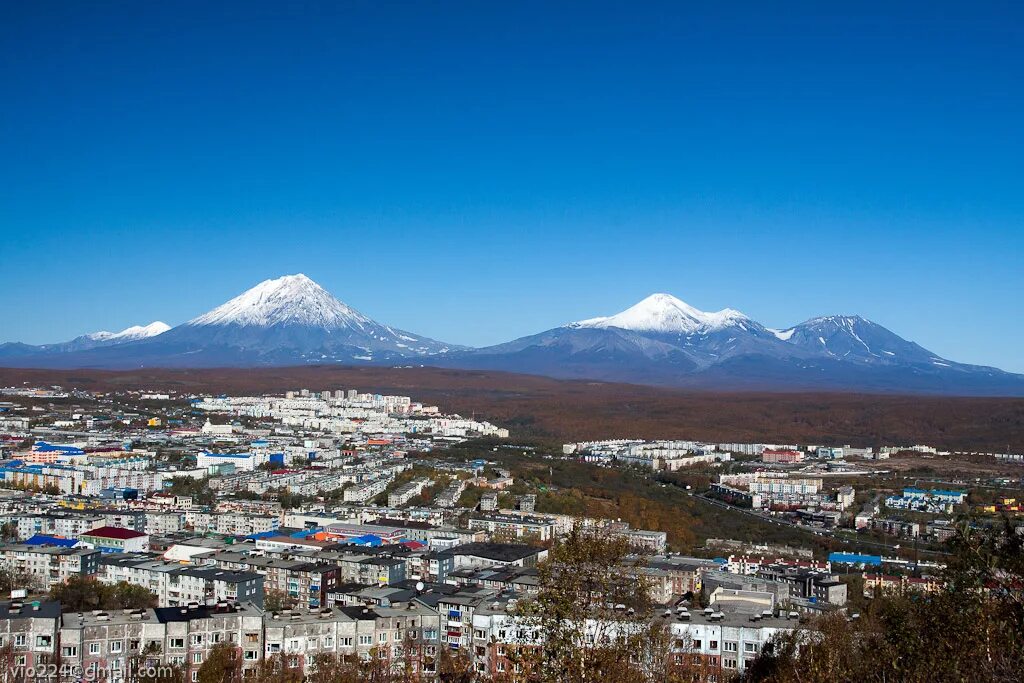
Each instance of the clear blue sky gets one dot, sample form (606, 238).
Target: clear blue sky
(480, 171)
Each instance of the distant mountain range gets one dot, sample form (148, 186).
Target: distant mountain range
(661, 340)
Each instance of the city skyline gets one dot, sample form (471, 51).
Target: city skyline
(476, 175)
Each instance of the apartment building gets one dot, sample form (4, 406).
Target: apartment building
(513, 527)
(306, 582)
(30, 630)
(726, 640)
(49, 565)
(406, 492)
(367, 490)
(244, 524)
(183, 636)
(175, 584)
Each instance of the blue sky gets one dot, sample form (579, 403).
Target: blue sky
(480, 171)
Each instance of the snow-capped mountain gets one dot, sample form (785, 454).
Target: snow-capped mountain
(285, 321)
(132, 333)
(293, 319)
(92, 340)
(854, 339)
(663, 340)
(288, 300)
(665, 314)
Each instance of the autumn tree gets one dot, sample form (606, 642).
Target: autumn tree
(971, 629)
(592, 619)
(222, 665)
(82, 594)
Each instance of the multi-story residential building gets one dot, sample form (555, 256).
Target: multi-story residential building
(175, 584)
(729, 641)
(449, 498)
(48, 565)
(406, 492)
(243, 524)
(30, 630)
(307, 583)
(489, 502)
(879, 584)
(896, 527)
(651, 541)
(160, 523)
(364, 491)
(782, 456)
(513, 527)
(807, 584)
(182, 636)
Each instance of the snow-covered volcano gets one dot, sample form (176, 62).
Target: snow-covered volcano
(663, 340)
(292, 319)
(288, 300)
(133, 333)
(665, 314)
(289, 320)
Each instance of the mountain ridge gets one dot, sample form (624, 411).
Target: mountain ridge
(661, 340)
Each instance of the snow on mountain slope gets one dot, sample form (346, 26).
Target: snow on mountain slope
(131, 333)
(93, 340)
(665, 314)
(287, 320)
(854, 339)
(288, 300)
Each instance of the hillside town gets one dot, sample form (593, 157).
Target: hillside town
(352, 523)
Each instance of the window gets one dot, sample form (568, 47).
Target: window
(177, 643)
(19, 640)
(696, 645)
(730, 646)
(750, 647)
(383, 637)
(197, 639)
(328, 641)
(366, 640)
(44, 641)
(251, 655)
(69, 651)
(197, 657)
(116, 645)
(729, 663)
(94, 648)
(346, 642)
(311, 643)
